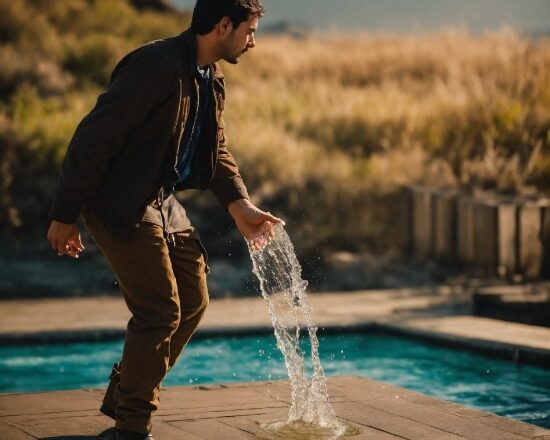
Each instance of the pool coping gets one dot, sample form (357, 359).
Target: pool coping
(440, 316)
(509, 351)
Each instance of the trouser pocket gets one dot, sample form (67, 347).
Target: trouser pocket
(190, 235)
(204, 254)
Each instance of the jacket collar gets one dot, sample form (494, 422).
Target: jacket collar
(190, 41)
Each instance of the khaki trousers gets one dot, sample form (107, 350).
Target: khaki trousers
(164, 285)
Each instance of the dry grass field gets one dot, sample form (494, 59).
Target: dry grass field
(448, 108)
(325, 128)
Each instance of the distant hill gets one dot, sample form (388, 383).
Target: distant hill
(294, 29)
(155, 5)
(405, 16)
(539, 33)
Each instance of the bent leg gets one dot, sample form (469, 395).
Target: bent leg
(189, 266)
(144, 272)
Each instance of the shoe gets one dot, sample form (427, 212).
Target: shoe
(128, 435)
(108, 411)
(109, 434)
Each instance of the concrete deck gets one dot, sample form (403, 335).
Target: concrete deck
(234, 412)
(437, 315)
(379, 410)
(25, 317)
(525, 303)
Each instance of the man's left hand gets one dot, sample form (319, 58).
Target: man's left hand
(255, 225)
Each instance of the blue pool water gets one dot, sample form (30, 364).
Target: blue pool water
(515, 390)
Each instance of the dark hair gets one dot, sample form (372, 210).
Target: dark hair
(209, 12)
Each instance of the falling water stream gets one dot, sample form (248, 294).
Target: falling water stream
(311, 415)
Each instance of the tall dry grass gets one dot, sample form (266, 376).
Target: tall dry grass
(324, 127)
(475, 110)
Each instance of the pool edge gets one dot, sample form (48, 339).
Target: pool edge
(512, 352)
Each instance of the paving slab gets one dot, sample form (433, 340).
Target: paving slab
(488, 329)
(24, 317)
(520, 343)
(237, 412)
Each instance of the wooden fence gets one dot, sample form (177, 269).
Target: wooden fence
(494, 235)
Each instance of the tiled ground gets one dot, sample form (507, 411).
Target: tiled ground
(380, 411)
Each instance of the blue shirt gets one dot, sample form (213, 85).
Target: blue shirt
(191, 135)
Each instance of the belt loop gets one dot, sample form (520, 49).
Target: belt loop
(160, 196)
(160, 201)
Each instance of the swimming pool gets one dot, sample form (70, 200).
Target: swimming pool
(514, 390)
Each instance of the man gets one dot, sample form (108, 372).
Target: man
(158, 129)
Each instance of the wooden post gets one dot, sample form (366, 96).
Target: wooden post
(529, 240)
(404, 219)
(485, 236)
(507, 239)
(422, 222)
(545, 221)
(465, 229)
(445, 225)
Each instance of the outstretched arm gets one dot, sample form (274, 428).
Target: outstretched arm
(255, 225)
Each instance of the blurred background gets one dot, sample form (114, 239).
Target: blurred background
(405, 143)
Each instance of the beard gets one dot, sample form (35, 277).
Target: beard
(234, 59)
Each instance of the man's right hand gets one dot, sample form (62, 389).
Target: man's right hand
(65, 239)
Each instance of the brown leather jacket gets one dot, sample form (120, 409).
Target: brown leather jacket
(120, 151)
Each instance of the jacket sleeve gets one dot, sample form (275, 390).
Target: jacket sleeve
(130, 95)
(227, 184)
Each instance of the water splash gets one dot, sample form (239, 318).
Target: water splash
(284, 291)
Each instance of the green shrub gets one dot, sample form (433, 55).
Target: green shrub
(28, 30)
(94, 56)
(23, 68)
(46, 125)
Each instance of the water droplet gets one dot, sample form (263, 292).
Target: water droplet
(190, 380)
(261, 352)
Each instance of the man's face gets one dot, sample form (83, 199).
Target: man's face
(238, 40)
